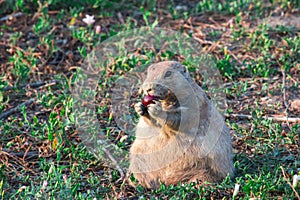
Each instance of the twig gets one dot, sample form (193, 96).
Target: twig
(284, 92)
(235, 57)
(284, 97)
(115, 163)
(120, 17)
(26, 152)
(206, 42)
(274, 118)
(286, 179)
(18, 14)
(214, 45)
(251, 80)
(29, 154)
(15, 160)
(32, 85)
(15, 109)
(127, 179)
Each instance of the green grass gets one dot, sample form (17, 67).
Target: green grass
(41, 152)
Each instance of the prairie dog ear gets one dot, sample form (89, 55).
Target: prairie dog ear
(184, 71)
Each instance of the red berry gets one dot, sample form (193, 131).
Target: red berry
(148, 99)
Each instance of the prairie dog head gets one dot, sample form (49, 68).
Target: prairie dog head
(166, 81)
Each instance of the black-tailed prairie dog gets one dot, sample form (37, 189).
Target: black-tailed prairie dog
(180, 136)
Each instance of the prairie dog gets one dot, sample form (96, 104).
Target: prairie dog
(180, 137)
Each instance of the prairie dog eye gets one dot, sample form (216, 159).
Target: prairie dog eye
(168, 74)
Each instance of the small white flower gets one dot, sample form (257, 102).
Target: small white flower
(45, 183)
(89, 19)
(296, 178)
(65, 177)
(50, 170)
(236, 189)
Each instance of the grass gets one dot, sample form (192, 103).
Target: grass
(42, 152)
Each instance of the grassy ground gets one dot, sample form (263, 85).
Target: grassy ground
(257, 46)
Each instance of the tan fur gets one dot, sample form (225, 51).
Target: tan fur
(181, 137)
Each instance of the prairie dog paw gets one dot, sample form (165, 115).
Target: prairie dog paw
(140, 108)
(155, 110)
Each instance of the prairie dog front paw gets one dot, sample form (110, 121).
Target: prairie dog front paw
(155, 110)
(140, 109)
